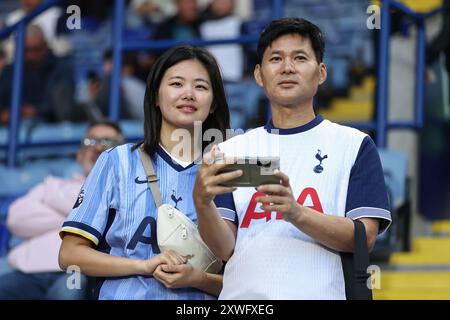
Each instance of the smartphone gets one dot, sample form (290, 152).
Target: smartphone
(256, 171)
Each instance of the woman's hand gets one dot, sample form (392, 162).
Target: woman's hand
(179, 276)
(168, 257)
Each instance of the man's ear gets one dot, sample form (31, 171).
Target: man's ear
(322, 73)
(257, 75)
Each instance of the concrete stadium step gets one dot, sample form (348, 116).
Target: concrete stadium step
(431, 245)
(427, 251)
(428, 255)
(360, 94)
(406, 258)
(357, 107)
(407, 294)
(418, 5)
(365, 91)
(413, 285)
(342, 110)
(441, 227)
(415, 279)
(369, 83)
(422, 6)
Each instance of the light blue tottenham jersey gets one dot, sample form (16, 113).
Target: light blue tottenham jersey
(333, 169)
(115, 210)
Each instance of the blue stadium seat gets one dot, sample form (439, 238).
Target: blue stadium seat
(132, 128)
(243, 100)
(62, 167)
(253, 27)
(17, 181)
(261, 9)
(60, 132)
(25, 128)
(5, 202)
(4, 240)
(20, 180)
(142, 33)
(338, 72)
(395, 168)
(66, 132)
(5, 235)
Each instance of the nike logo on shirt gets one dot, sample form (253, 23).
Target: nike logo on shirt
(139, 181)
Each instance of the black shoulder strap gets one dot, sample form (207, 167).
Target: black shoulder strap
(355, 266)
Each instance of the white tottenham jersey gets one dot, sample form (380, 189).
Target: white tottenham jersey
(333, 169)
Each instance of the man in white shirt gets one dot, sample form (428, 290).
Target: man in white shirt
(283, 241)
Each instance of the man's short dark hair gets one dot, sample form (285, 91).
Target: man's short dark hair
(283, 26)
(106, 123)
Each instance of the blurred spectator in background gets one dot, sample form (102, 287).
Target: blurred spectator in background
(434, 197)
(151, 12)
(2, 60)
(132, 90)
(48, 85)
(441, 43)
(47, 21)
(145, 63)
(92, 110)
(219, 22)
(93, 13)
(184, 25)
(37, 218)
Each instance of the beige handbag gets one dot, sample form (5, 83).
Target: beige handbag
(175, 231)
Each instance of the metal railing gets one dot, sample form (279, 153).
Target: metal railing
(16, 97)
(382, 122)
(380, 126)
(119, 46)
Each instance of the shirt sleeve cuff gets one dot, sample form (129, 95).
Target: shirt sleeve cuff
(383, 215)
(81, 229)
(227, 214)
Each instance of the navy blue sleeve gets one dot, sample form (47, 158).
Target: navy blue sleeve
(367, 194)
(225, 205)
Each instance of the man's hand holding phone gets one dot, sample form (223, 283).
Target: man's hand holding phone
(210, 182)
(280, 198)
(256, 171)
(219, 174)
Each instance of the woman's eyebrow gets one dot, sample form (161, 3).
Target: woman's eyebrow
(202, 80)
(182, 78)
(176, 77)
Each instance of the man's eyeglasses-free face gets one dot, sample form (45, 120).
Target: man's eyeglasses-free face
(104, 142)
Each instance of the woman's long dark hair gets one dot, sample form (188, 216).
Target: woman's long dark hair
(219, 119)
